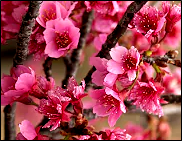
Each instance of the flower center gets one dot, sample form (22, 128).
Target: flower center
(49, 14)
(130, 62)
(147, 90)
(62, 39)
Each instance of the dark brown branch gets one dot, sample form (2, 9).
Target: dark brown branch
(113, 38)
(9, 126)
(25, 32)
(47, 67)
(72, 62)
(171, 98)
(19, 58)
(161, 61)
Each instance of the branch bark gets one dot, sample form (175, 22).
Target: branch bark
(72, 62)
(113, 38)
(19, 58)
(47, 67)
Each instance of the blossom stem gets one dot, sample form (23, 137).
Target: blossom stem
(132, 85)
(19, 58)
(72, 62)
(163, 38)
(113, 38)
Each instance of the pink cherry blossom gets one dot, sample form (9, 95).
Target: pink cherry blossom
(173, 38)
(146, 95)
(116, 134)
(51, 10)
(148, 21)
(15, 87)
(75, 92)
(101, 76)
(90, 137)
(124, 61)
(98, 41)
(60, 39)
(173, 14)
(11, 17)
(27, 132)
(108, 104)
(55, 109)
(103, 7)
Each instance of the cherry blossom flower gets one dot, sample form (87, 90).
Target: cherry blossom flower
(148, 21)
(103, 7)
(75, 92)
(60, 39)
(11, 18)
(108, 104)
(55, 109)
(101, 76)
(173, 38)
(115, 134)
(98, 41)
(146, 95)
(124, 61)
(173, 14)
(15, 87)
(90, 137)
(27, 132)
(51, 10)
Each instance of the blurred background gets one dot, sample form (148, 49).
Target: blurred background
(173, 112)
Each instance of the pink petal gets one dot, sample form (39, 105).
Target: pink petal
(113, 117)
(52, 51)
(49, 35)
(110, 79)
(96, 94)
(27, 130)
(131, 75)
(113, 93)
(25, 82)
(98, 77)
(6, 83)
(12, 93)
(6, 100)
(99, 63)
(117, 53)
(114, 67)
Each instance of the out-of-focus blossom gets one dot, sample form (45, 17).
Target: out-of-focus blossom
(173, 14)
(103, 7)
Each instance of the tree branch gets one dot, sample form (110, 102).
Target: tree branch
(113, 38)
(171, 98)
(72, 62)
(19, 58)
(25, 32)
(47, 67)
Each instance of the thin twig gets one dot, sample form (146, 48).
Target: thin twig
(72, 62)
(47, 67)
(19, 58)
(113, 38)
(171, 98)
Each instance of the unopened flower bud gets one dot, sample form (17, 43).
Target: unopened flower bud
(172, 54)
(161, 63)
